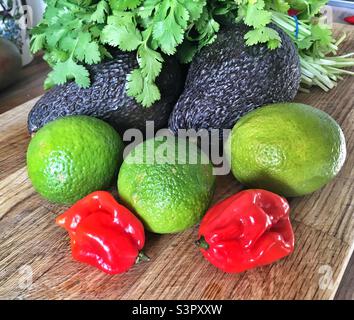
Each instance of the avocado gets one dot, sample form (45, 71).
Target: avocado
(227, 79)
(10, 63)
(107, 99)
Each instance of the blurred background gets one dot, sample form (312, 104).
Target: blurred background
(342, 9)
(38, 9)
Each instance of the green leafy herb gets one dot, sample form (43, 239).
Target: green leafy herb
(70, 35)
(77, 33)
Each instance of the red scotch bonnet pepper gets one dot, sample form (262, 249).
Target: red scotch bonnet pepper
(249, 229)
(350, 19)
(104, 233)
(293, 12)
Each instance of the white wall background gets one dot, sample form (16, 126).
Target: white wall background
(38, 9)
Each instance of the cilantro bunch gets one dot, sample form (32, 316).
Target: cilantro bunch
(320, 65)
(77, 33)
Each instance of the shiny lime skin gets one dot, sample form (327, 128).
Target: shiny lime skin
(169, 197)
(72, 157)
(291, 149)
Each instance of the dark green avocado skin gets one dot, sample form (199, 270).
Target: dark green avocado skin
(227, 79)
(107, 99)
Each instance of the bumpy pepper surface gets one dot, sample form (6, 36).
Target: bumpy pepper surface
(104, 233)
(249, 229)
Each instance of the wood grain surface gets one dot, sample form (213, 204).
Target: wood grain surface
(35, 261)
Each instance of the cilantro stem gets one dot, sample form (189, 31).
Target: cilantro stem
(302, 89)
(73, 52)
(288, 23)
(317, 68)
(340, 71)
(343, 56)
(341, 39)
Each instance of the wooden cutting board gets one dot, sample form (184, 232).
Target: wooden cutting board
(35, 259)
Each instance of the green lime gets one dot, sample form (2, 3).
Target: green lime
(291, 149)
(169, 183)
(72, 157)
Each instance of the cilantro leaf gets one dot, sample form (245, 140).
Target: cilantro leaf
(148, 8)
(263, 35)
(194, 7)
(55, 56)
(168, 34)
(144, 91)
(150, 62)
(141, 82)
(170, 26)
(150, 94)
(37, 42)
(69, 70)
(280, 6)
(55, 36)
(186, 51)
(121, 32)
(316, 6)
(100, 14)
(207, 28)
(135, 83)
(305, 43)
(256, 16)
(322, 34)
(124, 4)
(87, 50)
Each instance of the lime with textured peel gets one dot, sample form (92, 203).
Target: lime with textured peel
(168, 183)
(73, 156)
(291, 149)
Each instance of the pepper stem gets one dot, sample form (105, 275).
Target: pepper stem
(142, 257)
(201, 243)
